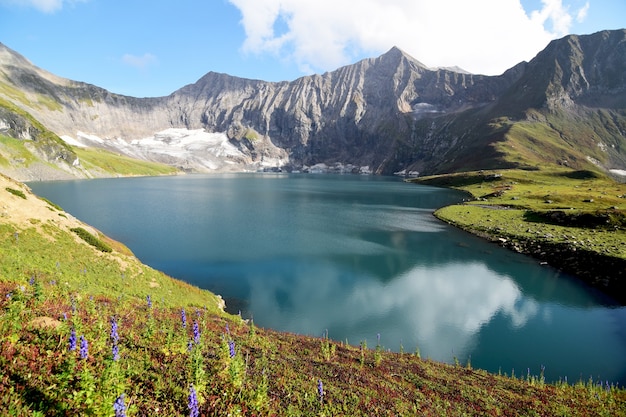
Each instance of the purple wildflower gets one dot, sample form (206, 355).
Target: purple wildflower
(189, 346)
(119, 406)
(194, 410)
(196, 332)
(114, 335)
(84, 347)
(149, 301)
(115, 351)
(64, 316)
(32, 280)
(320, 389)
(72, 340)
(183, 318)
(231, 348)
(227, 329)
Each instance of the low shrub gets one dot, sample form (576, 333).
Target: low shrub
(91, 239)
(16, 192)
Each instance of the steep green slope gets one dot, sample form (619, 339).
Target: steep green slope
(578, 137)
(591, 139)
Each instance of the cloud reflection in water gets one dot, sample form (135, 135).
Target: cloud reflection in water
(440, 309)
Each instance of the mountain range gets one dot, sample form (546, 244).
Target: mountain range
(384, 115)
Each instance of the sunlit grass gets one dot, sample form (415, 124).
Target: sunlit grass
(505, 200)
(10, 91)
(109, 162)
(53, 254)
(13, 151)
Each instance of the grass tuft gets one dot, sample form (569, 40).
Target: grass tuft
(15, 192)
(92, 240)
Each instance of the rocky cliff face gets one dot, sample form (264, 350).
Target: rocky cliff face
(389, 113)
(576, 70)
(354, 114)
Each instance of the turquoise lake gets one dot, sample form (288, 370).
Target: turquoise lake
(358, 256)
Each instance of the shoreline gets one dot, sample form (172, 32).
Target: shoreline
(602, 272)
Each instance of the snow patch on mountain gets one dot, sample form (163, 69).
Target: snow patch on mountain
(178, 142)
(195, 149)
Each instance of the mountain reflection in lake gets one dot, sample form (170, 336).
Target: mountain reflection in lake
(358, 256)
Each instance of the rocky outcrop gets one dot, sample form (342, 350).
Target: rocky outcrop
(40, 142)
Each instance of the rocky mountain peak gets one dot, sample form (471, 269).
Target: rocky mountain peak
(587, 70)
(19, 69)
(9, 57)
(396, 57)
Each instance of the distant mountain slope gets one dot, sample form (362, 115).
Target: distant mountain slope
(567, 107)
(575, 92)
(391, 113)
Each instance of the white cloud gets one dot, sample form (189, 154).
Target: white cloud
(46, 6)
(555, 12)
(481, 36)
(140, 62)
(581, 15)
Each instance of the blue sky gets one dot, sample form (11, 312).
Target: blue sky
(153, 47)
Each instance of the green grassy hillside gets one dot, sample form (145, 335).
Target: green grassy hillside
(86, 329)
(109, 163)
(580, 140)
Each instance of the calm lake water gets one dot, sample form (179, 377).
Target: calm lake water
(359, 257)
